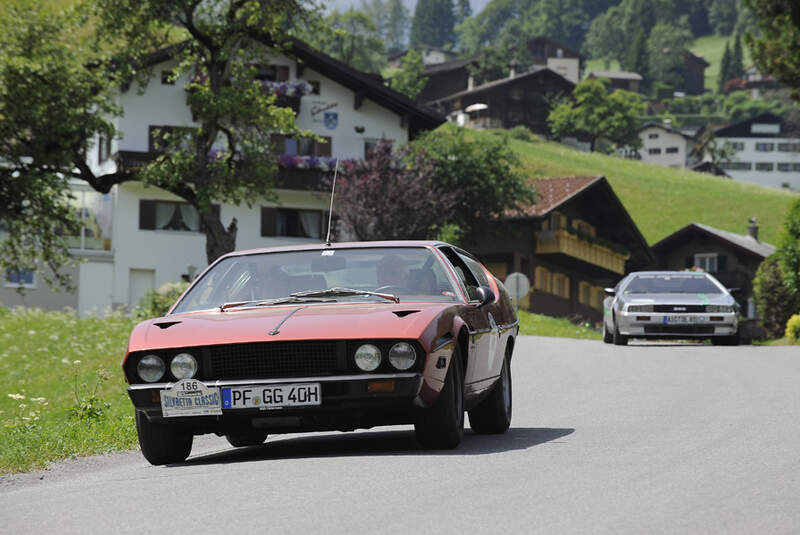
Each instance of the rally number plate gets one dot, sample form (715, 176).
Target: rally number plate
(190, 397)
(268, 397)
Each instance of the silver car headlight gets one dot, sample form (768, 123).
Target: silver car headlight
(368, 357)
(640, 308)
(151, 368)
(402, 356)
(719, 308)
(183, 366)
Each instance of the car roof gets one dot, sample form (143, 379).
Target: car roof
(666, 272)
(340, 245)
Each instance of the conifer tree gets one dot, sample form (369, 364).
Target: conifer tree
(396, 25)
(724, 68)
(737, 66)
(636, 57)
(433, 24)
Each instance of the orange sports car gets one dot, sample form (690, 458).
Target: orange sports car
(326, 337)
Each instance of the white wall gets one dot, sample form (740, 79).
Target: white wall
(569, 68)
(664, 140)
(95, 286)
(749, 154)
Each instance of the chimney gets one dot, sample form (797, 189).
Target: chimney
(470, 82)
(513, 71)
(752, 229)
(667, 123)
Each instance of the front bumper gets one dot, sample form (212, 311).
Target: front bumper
(347, 404)
(677, 325)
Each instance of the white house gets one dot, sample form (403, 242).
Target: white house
(663, 145)
(767, 152)
(135, 238)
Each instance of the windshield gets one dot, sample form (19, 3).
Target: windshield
(678, 283)
(408, 273)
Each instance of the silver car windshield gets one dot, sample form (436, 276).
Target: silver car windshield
(680, 283)
(408, 273)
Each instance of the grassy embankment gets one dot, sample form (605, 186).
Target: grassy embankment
(61, 388)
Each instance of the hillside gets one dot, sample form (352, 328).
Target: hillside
(661, 200)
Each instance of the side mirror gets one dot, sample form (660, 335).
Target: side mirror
(485, 295)
(610, 291)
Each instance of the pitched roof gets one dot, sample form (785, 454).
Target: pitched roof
(743, 128)
(447, 66)
(536, 71)
(553, 192)
(653, 124)
(615, 75)
(742, 241)
(368, 85)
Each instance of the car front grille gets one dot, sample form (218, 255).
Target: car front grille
(264, 360)
(679, 308)
(679, 329)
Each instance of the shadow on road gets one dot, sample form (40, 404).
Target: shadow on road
(379, 443)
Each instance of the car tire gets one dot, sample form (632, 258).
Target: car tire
(619, 339)
(162, 443)
(493, 415)
(442, 425)
(607, 337)
(732, 340)
(248, 438)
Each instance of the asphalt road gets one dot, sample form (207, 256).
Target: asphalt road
(641, 439)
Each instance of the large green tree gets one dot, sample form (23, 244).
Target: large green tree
(591, 113)
(408, 79)
(351, 37)
(433, 24)
(57, 94)
(777, 50)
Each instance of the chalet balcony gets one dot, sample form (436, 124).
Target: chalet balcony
(564, 242)
(483, 123)
(302, 179)
(131, 159)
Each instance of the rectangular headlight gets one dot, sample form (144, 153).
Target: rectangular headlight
(640, 308)
(719, 308)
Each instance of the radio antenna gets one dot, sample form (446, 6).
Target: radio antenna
(330, 211)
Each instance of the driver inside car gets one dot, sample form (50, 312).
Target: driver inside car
(392, 270)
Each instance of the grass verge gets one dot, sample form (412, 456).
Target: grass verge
(62, 393)
(537, 325)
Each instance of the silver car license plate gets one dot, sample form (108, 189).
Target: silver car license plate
(267, 397)
(684, 319)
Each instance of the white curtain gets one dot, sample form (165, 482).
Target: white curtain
(310, 221)
(164, 211)
(191, 217)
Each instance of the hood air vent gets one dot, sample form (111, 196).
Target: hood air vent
(166, 324)
(404, 313)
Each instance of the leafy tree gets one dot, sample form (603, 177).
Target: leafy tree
(739, 105)
(777, 50)
(433, 24)
(494, 61)
(591, 113)
(409, 80)
(636, 58)
(709, 148)
(483, 29)
(737, 60)
(481, 170)
(397, 24)
(724, 68)
(666, 49)
(774, 299)
(57, 94)
(789, 251)
(351, 37)
(604, 40)
(722, 15)
(376, 195)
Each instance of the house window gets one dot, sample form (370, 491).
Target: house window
(273, 73)
(541, 279)
(653, 151)
(737, 145)
(170, 215)
(785, 167)
(764, 166)
(789, 147)
(560, 285)
(557, 221)
(706, 261)
(652, 136)
(314, 87)
(300, 146)
(598, 296)
(167, 78)
(292, 222)
(672, 150)
(103, 148)
(584, 293)
(765, 147)
(737, 166)
(369, 144)
(796, 167)
(22, 278)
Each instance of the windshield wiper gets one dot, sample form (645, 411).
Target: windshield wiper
(342, 292)
(268, 302)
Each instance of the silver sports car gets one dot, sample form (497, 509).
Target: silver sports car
(670, 304)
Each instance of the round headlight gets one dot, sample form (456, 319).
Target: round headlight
(368, 357)
(183, 366)
(151, 368)
(402, 356)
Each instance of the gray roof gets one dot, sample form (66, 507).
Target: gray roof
(616, 75)
(742, 241)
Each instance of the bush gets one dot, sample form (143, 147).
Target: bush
(793, 329)
(156, 303)
(775, 301)
(523, 133)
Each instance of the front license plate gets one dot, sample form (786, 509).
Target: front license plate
(683, 319)
(190, 397)
(267, 397)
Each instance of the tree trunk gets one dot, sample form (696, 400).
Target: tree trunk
(219, 240)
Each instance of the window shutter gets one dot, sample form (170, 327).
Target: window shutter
(689, 262)
(147, 215)
(323, 148)
(721, 262)
(282, 74)
(268, 220)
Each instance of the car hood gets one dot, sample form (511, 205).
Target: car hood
(677, 299)
(330, 321)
